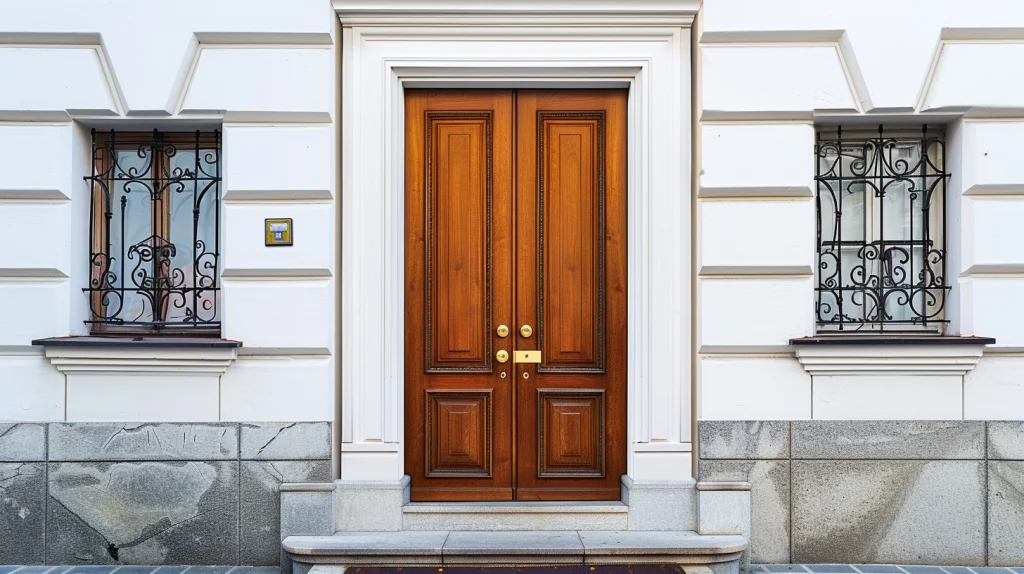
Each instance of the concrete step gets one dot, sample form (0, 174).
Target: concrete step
(452, 548)
(515, 516)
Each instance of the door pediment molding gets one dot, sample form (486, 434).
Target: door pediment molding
(516, 12)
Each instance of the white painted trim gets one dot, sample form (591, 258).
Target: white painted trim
(378, 62)
(889, 359)
(149, 361)
(516, 12)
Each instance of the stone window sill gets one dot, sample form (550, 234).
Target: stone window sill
(149, 355)
(877, 355)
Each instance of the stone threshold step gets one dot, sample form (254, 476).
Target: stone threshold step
(439, 548)
(514, 507)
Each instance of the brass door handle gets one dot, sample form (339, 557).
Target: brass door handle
(503, 331)
(526, 331)
(502, 356)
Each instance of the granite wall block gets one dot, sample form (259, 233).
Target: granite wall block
(22, 442)
(143, 441)
(879, 440)
(286, 441)
(169, 512)
(769, 502)
(22, 512)
(260, 513)
(744, 439)
(1006, 513)
(1006, 440)
(885, 512)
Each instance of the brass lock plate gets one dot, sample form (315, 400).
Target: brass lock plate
(527, 356)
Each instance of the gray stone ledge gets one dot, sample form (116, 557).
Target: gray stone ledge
(743, 439)
(307, 487)
(882, 440)
(286, 441)
(723, 485)
(143, 441)
(22, 442)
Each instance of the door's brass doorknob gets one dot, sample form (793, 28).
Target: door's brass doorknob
(503, 331)
(526, 331)
(502, 356)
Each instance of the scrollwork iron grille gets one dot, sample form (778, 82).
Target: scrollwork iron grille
(881, 230)
(155, 232)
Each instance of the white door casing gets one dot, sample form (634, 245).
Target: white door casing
(645, 47)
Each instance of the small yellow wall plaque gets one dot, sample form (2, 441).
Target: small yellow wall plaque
(279, 232)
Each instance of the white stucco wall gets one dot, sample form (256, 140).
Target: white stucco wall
(263, 71)
(770, 71)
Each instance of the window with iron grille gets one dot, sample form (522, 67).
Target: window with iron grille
(155, 233)
(881, 228)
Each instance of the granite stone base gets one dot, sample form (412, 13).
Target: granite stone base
(868, 492)
(151, 494)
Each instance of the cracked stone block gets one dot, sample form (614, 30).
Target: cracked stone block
(22, 518)
(286, 441)
(144, 513)
(889, 512)
(769, 502)
(143, 441)
(22, 442)
(261, 504)
(1006, 513)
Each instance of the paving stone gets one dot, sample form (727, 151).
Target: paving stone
(785, 568)
(1005, 514)
(136, 569)
(879, 569)
(1006, 440)
(208, 570)
(889, 511)
(170, 570)
(143, 441)
(958, 570)
(992, 570)
(265, 570)
(22, 515)
(261, 505)
(143, 513)
(242, 570)
(1018, 570)
(743, 439)
(90, 570)
(286, 441)
(831, 568)
(36, 569)
(932, 440)
(8, 569)
(769, 503)
(22, 442)
(923, 569)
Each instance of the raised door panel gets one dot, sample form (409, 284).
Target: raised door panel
(458, 246)
(570, 194)
(570, 433)
(460, 433)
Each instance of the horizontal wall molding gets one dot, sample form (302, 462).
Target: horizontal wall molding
(44, 273)
(276, 196)
(720, 271)
(870, 360)
(513, 12)
(758, 193)
(278, 273)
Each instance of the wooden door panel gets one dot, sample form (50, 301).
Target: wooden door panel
(458, 247)
(570, 433)
(571, 283)
(458, 168)
(460, 433)
(570, 191)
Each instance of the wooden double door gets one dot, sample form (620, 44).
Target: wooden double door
(515, 294)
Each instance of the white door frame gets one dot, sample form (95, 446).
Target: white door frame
(384, 53)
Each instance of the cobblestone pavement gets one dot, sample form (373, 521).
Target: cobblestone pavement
(873, 569)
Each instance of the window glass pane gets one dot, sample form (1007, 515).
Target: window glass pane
(194, 265)
(130, 230)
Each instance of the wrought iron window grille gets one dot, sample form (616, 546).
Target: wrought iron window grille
(881, 220)
(155, 232)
